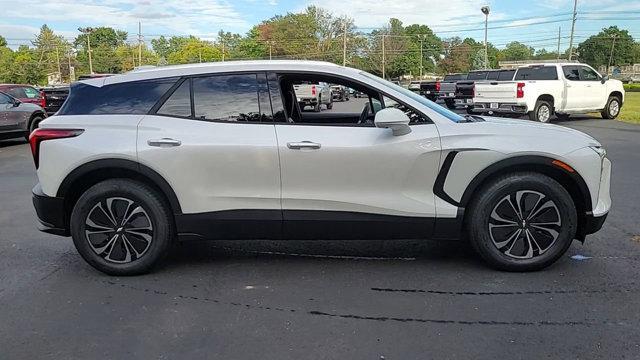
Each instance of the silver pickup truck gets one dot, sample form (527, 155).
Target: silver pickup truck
(314, 95)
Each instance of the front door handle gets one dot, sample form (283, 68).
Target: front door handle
(164, 142)
(303, 145)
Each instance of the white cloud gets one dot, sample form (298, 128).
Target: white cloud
(168, 16)
(434, 13)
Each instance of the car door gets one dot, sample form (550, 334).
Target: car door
(595, 97)
(5, 105)
(213, 140)
(575, 90)
(357, 181)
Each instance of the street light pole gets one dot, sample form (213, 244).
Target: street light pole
(485, 11)
(421, 56)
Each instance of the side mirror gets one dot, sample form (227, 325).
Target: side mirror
(16, 103)
(604, 79)
(394, 119)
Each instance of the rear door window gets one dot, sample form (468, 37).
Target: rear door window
(16, 92)
(226, 98)
(537, 73)
(492, 75)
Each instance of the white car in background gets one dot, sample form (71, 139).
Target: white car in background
(314, 95)
(132, 163)
(543, 90)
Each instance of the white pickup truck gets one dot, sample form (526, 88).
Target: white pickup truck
(314, 95)
(542, 90)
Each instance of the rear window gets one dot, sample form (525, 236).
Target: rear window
(124, 98)
(454, 77)
(31, 92)
(506, 75)
(537, 73)
(477, 75)
(492, 75)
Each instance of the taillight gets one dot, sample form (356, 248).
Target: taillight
(40, 135)
(43, 99)
(437, 85)
(313, 90)
(520, 90)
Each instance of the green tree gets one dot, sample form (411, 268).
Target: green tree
(517, 51)
(3, 41)
(596, 50)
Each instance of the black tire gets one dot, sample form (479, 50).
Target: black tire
(612, 108)
(317, 106)
(115, 194)
(541, 112)
(330, 105)
(33, 124)
(451, 104)
(469, 110)
(562, 117)
(487, 234)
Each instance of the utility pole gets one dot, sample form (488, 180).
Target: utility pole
(139, 43)
(558, 58)
(71, 71)
(421, 57)
(573, 27)
(383, 56)
(223, 51)
(344, 43)
(270, 46)
(613, 44)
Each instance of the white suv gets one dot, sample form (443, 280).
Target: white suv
(133, 162)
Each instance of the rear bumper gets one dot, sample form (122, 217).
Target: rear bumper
(50, 212)
(509, 108)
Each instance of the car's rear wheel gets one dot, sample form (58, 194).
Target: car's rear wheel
(317, 105)
(612, 109)
(522, 222)
(541, 112)
(33, 124)
(330, 105)
(122, 227)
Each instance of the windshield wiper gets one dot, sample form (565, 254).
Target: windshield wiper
(472, 118)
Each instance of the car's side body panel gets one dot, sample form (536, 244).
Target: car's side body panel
(104, 137)
(218, 165)
(359, 169)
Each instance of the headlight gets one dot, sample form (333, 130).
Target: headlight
(600, 150)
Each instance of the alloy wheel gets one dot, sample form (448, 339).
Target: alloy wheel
(544, 113)
(614, 107)
(119, 230)
(524, 224)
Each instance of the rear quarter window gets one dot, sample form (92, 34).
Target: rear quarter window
(123, 98)
(506, 75)
(537, 73)
(477, 75)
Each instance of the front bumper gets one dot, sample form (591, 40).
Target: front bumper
(50, 212)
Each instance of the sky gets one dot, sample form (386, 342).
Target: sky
(20, 20)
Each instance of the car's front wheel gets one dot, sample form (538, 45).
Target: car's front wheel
(122, 227)
(612, 108)
(522, 222)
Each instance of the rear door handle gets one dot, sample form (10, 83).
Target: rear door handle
(303, 145)
(164, 142)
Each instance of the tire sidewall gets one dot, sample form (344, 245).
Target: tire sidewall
(491, 195)
(536, 111)
(150, 202)
(607, 113)
(35, 122)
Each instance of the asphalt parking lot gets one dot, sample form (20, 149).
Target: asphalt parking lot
(323, 299)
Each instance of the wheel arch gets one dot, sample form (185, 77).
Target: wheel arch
(617, 94)
(571, 181)
(91, 173)
(547, 97)
(33, 116)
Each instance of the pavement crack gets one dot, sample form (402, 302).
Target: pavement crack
(497, 293)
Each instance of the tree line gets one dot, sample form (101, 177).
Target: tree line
(315, 34)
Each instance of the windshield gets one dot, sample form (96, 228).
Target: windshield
(421, 99)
